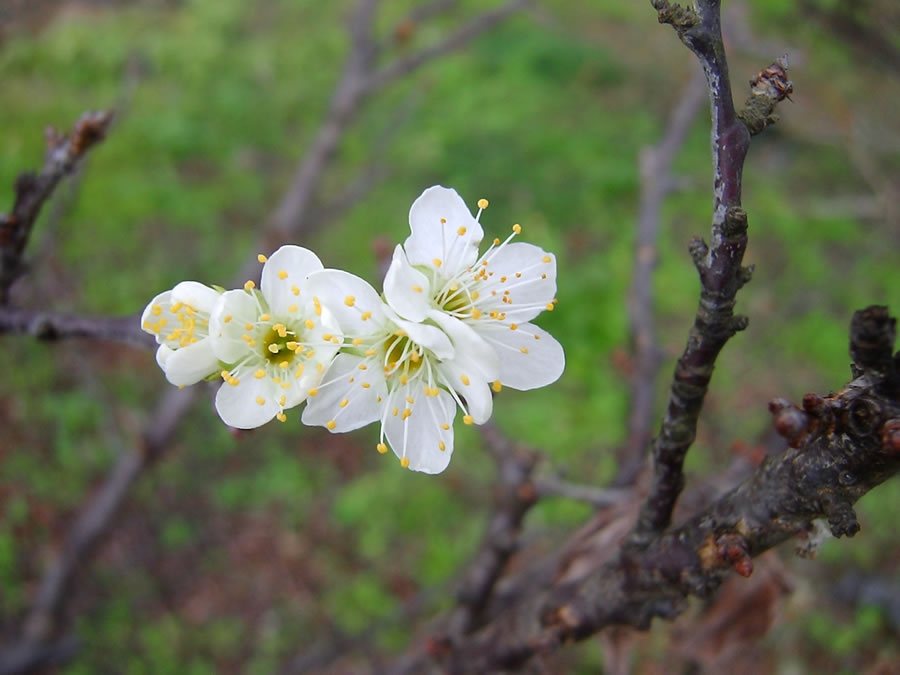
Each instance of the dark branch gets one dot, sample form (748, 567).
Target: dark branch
(64, 153)
(55, 326)
(719, 267)
(845, 445)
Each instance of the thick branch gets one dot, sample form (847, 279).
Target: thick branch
(64, 153)
(719, 267)
(844, 445)
(55, 326)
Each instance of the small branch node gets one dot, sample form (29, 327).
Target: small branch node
(790, 422)
(767, 89)
(735, 224)
(745, 275)
(738, 323)
(699, 252)
(732, 549)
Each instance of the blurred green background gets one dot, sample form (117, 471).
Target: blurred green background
(237, 554)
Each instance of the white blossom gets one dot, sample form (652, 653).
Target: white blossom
(438, 277)
(407, 375)
(277, 341)
(179, 319)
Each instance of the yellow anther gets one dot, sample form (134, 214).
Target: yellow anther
(518, 274)
(283, 364)
(445, 427)
(282, 400)
(156, 311)
(227, 319)
(370, 352)
(513, 326)
(248, 326)
(482, 203)
(465, 380)
(546, 258)
(261, 258)
(437, 262)
(549, 306)
(259, 374)
(467, 419)
(357, 342)
(443, 220)
(312, 392)
(260, 400)
(225, 375)
(147, 325)
(410, 400)
(310, 324)
(524, 350)
(496, 386)
(442, 446)
(484, 262)
(331, 424)
(177, 306)
(496, 241)
(381, 447)
(517, 228)
(502, 280)
(250, 284)
(365, 385)
(366, 316)
(320, 367)
(406, 413)
(417, 289)
(404, 463)
(295, 290)
(264, 317)
(461, 231)
(282, 274)
(414, 356)
(543, 276)
(299, 371)
(537, 337)
(285, 385)
(474, 295)
(344, 403)
(317, 306)
(273, 348)
(291, 345)
(476, 313)
(327, 337)
(293, 308)
(396, 412)
(281, 417)
(400, 333)
(378, 399)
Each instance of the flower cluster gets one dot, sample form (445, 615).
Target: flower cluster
(451, 327)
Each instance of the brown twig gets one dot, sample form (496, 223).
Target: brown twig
(56, 326)
(719, 267)
(32, 190)
(656, 183)
(843, 446)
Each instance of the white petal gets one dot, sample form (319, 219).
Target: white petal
(471, 352)
(442, 228)
(418, 437)
(474, 388)
(530, 292)
(344, 382)
(162, 356)
(189, 365)
(238, 406)
(227, 322)
(406, 289)
(294, 264)
(526, 362)
(349, 298)
(429, 337)
(156, 309)
(197, 295)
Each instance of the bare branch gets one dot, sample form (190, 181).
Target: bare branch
(454, 41)
(843, 446)
(547, 486)
(63, 154)
(719, 267)
(656, 183)
(55, 326)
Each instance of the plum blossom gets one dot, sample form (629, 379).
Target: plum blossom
(275, 341)
(179, 319)
(438, 277)
(405, 374)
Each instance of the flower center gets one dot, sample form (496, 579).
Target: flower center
(276, 349)
(403, 353)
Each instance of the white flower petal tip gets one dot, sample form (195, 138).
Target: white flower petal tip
(443, 230)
